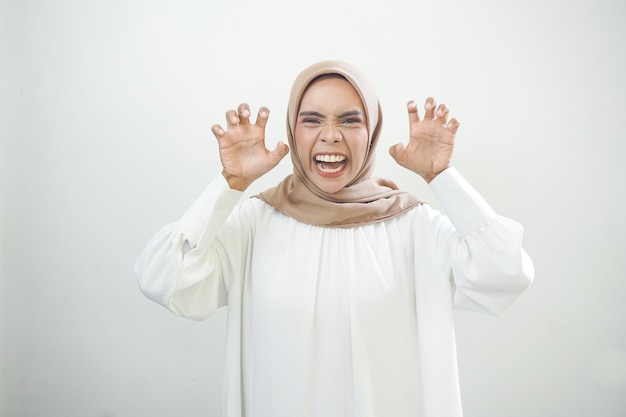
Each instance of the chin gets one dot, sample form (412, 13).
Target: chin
(330, 188)
(328, 183)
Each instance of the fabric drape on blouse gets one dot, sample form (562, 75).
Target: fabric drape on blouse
(338, 321)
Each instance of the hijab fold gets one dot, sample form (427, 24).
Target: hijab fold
(365, 199)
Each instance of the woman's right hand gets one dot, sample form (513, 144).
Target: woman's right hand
(242, 147)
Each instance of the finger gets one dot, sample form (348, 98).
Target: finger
(453, 126)
(442, 114)
(261, 119)
(279, 153)
(232, 119)
(413, 114)
(430, 108)
(218, 131)
(396, 150)
(243, 112)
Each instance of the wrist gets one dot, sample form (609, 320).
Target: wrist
(429, 177)
(236, 183)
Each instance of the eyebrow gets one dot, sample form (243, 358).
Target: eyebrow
(341, 116)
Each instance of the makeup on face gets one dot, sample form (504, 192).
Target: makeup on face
(331, 133)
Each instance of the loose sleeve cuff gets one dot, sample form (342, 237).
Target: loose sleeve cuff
(207, 214)
(466, 209)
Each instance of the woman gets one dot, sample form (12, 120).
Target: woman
(339, 287)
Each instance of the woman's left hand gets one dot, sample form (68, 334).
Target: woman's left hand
(431, 141)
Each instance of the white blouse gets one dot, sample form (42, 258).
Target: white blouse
(331, 322)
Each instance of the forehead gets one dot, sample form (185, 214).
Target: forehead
(331, 91)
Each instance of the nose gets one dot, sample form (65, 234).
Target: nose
(331, 134)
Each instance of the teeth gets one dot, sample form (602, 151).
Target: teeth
(327, 159)
(329, 170)
(330, 158)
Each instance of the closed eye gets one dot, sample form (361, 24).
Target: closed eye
(351, 117)
(311, 117)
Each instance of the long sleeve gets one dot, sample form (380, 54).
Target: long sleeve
(490, 268)
(182, 265)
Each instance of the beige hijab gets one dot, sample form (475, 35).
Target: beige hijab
(365, 199)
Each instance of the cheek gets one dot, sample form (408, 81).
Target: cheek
(302, 143)
(360, 144)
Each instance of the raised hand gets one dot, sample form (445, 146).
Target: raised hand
(242, 147)
(431, 141)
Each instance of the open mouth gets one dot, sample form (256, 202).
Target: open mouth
(330, 164)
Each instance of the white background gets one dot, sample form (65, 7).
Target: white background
(105, 116)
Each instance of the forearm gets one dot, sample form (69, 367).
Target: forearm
(180, 265)
(489, 265)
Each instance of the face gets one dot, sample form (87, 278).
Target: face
(331, 133)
